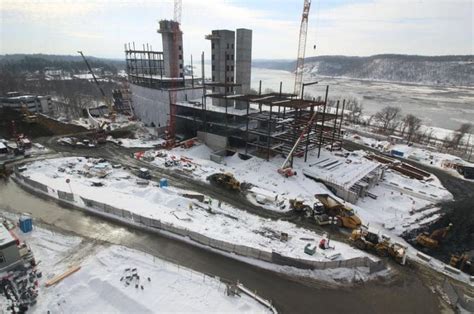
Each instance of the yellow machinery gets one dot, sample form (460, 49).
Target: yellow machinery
(381, 245)
(225, 180)
(298, 205)
(433, 240)
(345, 215)
(463, 263)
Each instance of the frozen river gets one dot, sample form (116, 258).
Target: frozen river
(444, 107)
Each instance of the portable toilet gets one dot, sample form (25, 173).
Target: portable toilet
(26, 223)
(163, 183)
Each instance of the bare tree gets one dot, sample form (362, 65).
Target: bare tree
(354, 110)
(411, 124)
(387, 117)
(459, 134)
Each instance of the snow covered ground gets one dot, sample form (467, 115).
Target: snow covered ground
(398, 197)
(258, 172)
(422, 155)
(136, 142)
(97, 287)
(223, 222)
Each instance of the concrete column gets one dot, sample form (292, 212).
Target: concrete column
(222, 61)
(243, 60)
(172, 39)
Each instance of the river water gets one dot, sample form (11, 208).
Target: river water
(443, 107)
(403, 294)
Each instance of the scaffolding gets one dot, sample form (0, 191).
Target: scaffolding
(146, 68)
(266, 124)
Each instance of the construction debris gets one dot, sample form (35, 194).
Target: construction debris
(59, 278)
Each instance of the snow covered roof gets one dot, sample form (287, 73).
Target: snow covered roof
(5, 236)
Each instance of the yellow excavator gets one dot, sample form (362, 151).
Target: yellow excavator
(225, 180)
(463, 263)
(433, 240)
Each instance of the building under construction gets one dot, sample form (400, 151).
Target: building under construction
(221, 110)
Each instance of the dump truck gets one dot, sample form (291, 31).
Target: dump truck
(369, 240)
(345, 216)
(225, 180)
(433, 240)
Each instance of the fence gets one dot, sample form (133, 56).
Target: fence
(242, 250)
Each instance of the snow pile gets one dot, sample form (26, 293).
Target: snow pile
(97, 286)
(168, 205)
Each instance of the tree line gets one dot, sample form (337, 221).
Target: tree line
(391, 120)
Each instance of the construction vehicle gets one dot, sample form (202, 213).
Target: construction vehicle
(28, 117)
(433, 240)
(144, 173)
(105, 98)
(367, 240)
(301, 47)
(225, 180)
(316, 212)
(285, 169)
(345, 216)
(299, 206)
(463, 263)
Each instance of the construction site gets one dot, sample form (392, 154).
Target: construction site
(225, 170)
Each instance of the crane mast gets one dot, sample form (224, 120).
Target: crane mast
(301, 48)
(177, 10)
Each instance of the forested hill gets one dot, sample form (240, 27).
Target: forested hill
(437, 70)
(18, 63)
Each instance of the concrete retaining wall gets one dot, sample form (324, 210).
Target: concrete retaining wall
(214, 141)
(242, 250)
(66, 196)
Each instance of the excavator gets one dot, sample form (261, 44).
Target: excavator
(463, 263)
(433, 240)
(367, 240)
(225, 180)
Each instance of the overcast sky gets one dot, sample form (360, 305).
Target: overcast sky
(337, 27)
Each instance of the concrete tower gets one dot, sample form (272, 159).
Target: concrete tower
(243, 60)
(222, 60)
(172, 38)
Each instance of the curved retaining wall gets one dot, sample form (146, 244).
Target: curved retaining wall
(125, 216)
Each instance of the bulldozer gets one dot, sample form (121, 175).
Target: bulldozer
(345, 216)
(433, 240)
(225, 180)
(463, 263)
(367, 240)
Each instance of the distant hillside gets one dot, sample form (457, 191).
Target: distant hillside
(437, 70)
(18, 63)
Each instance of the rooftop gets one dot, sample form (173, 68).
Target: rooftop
(5, 236)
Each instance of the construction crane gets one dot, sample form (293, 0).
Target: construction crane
(106, 100)
(177, 10)
(301, 48)
(285, 169)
